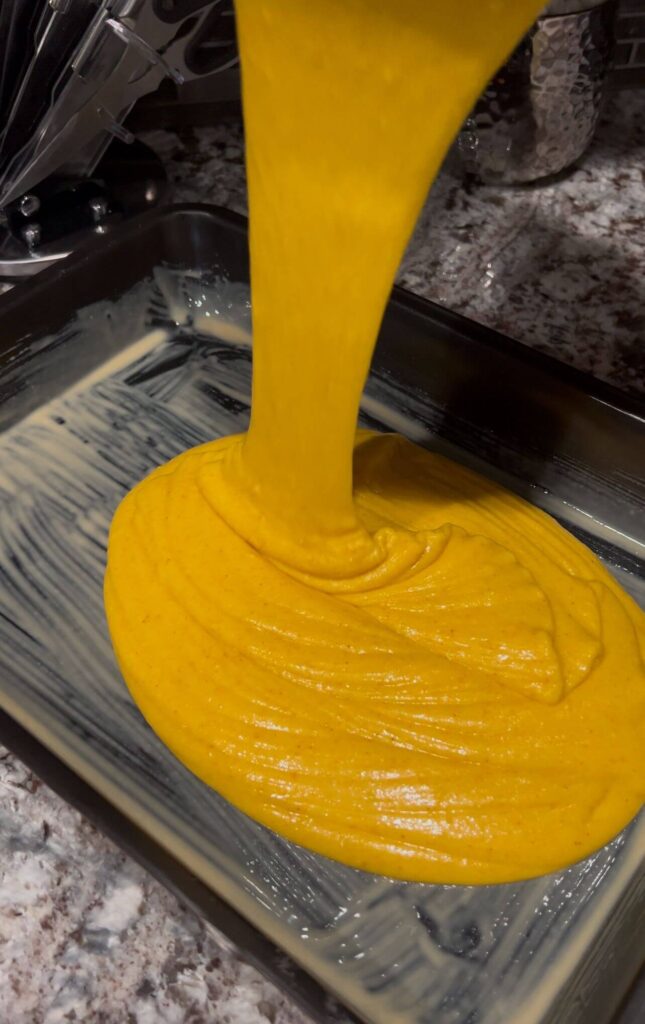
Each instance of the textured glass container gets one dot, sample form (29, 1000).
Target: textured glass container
(539, 112)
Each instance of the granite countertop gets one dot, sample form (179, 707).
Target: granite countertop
(85, 934)
(558, 266)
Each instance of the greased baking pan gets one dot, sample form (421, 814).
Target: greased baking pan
(138, 347)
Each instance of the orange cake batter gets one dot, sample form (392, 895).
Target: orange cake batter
(370, 649)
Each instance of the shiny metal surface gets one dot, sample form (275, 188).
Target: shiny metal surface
(539, 112)
(125, 51)
(40, 229)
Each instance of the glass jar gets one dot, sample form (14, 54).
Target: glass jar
(539, 113)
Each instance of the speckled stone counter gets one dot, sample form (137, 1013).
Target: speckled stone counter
(85, 934)
(559, 266)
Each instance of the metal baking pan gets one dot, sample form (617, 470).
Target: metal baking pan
(130, 351)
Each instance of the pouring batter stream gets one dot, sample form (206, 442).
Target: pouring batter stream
(364, 646)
